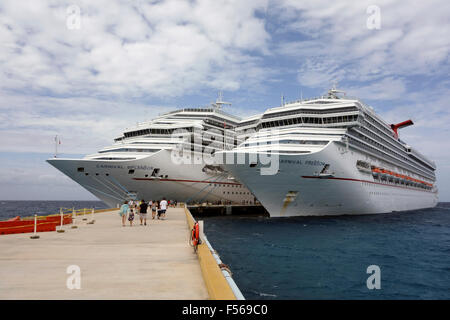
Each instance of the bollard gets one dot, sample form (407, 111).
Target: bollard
(35, 236)
(200, 225)
(73, 219)
(60, 230)
(84, 214)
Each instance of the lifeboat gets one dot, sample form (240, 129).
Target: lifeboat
(389, 175)
(376, 172)
(399, 178)
(403, 178)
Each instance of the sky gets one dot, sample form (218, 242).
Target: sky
(86, 70)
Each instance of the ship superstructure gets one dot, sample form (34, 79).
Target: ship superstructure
(170, 156)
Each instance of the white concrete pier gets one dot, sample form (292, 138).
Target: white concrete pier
(139, 262)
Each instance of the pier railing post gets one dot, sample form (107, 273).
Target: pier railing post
(92, 217)
(62, 220)
(35, 236)
(84, 214)
(74, 215)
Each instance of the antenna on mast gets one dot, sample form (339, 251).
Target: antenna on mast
(333, 92)
(219, 102)
(335, 84)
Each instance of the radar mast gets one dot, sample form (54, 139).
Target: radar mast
(219, 102)
(333, 93)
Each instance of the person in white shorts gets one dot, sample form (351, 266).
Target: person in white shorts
(163, 208)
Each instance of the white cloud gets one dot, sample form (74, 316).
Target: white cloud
(87, 84)
(389, 88)
(164, 48)
(29, 123)
(412, 39)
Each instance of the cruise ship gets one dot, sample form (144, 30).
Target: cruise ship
(172, 156)
(331, 155)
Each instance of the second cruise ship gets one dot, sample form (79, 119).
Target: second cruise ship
(331, 155)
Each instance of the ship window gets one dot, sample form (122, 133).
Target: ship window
(86, 173)
(131, 171)
(252, 165)
(80, 169)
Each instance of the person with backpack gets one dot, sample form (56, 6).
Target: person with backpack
(143, 212)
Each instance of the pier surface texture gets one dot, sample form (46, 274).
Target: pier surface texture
(115, 262)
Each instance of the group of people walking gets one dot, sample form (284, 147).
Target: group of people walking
(131, 208)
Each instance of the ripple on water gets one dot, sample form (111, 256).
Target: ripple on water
(327, 258)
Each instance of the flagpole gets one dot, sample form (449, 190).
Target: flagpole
(56, 146)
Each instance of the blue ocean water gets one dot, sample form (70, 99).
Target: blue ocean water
(319, 257)
(327, 257)
(10, 209)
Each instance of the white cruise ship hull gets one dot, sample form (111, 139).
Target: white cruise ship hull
(112, 181)
(298, 189)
